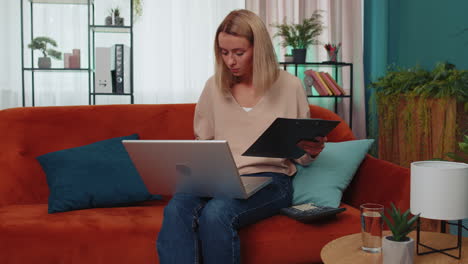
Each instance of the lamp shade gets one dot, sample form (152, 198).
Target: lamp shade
(439, 190)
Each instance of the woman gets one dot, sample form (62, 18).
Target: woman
(247, 92)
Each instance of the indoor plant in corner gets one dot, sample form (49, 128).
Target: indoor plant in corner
(398, 248)
(300, 36)
(40, 43)
(421, 113)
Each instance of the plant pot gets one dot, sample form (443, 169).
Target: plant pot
(299, 55)
(397, 252)
(108, 21)
(414, 128)
(288, 59)
(119, 21)
(44, 63)
(332, 55)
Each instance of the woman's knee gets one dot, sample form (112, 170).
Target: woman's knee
(216, 213)
(182, 206)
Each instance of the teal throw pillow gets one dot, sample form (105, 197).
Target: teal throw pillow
(95, 175)
(325, 179)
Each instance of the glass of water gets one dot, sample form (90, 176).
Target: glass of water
(371, 227)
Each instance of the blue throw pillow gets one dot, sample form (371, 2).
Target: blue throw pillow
(325, 179)
(96, 175)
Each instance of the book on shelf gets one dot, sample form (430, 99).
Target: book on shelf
(326, 77)
(336, 84)
(324, 84)
(316, 82)
(120, 68)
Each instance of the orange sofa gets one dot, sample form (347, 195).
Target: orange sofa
(28, 234)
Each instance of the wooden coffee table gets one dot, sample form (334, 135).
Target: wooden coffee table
(347, 249)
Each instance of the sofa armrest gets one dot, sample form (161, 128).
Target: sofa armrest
(379, 181)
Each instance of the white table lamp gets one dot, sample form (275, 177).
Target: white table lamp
(439, 190)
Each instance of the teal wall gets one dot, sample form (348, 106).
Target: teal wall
(424, 32)
(407, 33)
(428, 31)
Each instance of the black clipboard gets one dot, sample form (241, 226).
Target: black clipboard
(280, 138)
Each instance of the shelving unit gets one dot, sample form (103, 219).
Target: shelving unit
(336, 66)
(93, 29)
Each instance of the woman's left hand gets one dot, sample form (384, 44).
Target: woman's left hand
(313, 147)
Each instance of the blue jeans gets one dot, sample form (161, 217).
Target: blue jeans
(204, 230)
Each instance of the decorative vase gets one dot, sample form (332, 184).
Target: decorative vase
(44, 63)
(299, 55)
(397, 252)
(288, 58)
(332, 55)
(108, 21)
(119, 21)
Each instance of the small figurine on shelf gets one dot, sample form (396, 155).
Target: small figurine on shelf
(72, 60)
(118, 21)
(40, 43)
(332, 51)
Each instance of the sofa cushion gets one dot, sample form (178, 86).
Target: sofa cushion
(128, 235)
(324, 181)
(100, 174)
(98, 235)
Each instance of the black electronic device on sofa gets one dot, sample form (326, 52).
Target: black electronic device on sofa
(309, 212)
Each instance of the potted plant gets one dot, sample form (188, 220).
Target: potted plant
(300, 36)
(398, 248)
(108, 20)
(40, 43)
(118, 21)
(114, 14)
(421, 113)
(288, 57)
(332, 51)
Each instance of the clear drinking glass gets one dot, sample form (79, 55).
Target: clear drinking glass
(371, 227)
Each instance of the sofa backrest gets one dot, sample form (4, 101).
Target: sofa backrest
(26, 133)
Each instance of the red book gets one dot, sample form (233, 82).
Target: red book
(330, 84)
(324, 85)
(336, 84)
(317, 84)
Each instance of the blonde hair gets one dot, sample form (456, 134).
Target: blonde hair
(265, 70)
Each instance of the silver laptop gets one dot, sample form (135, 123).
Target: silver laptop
(204, 168)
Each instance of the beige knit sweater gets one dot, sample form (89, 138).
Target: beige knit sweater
(219, 116)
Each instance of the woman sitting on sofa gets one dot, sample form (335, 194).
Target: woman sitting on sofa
(245, 95)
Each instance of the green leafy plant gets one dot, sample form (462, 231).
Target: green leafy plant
(116, 12)
(137, 8)
(300, 36)
(40, 43)
(463, 146)
(405, 97)
(400, 224)
(443, 81)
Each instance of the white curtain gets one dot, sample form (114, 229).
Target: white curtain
(343, 23)
(173, 50)
(10, 55)
(176, 47)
